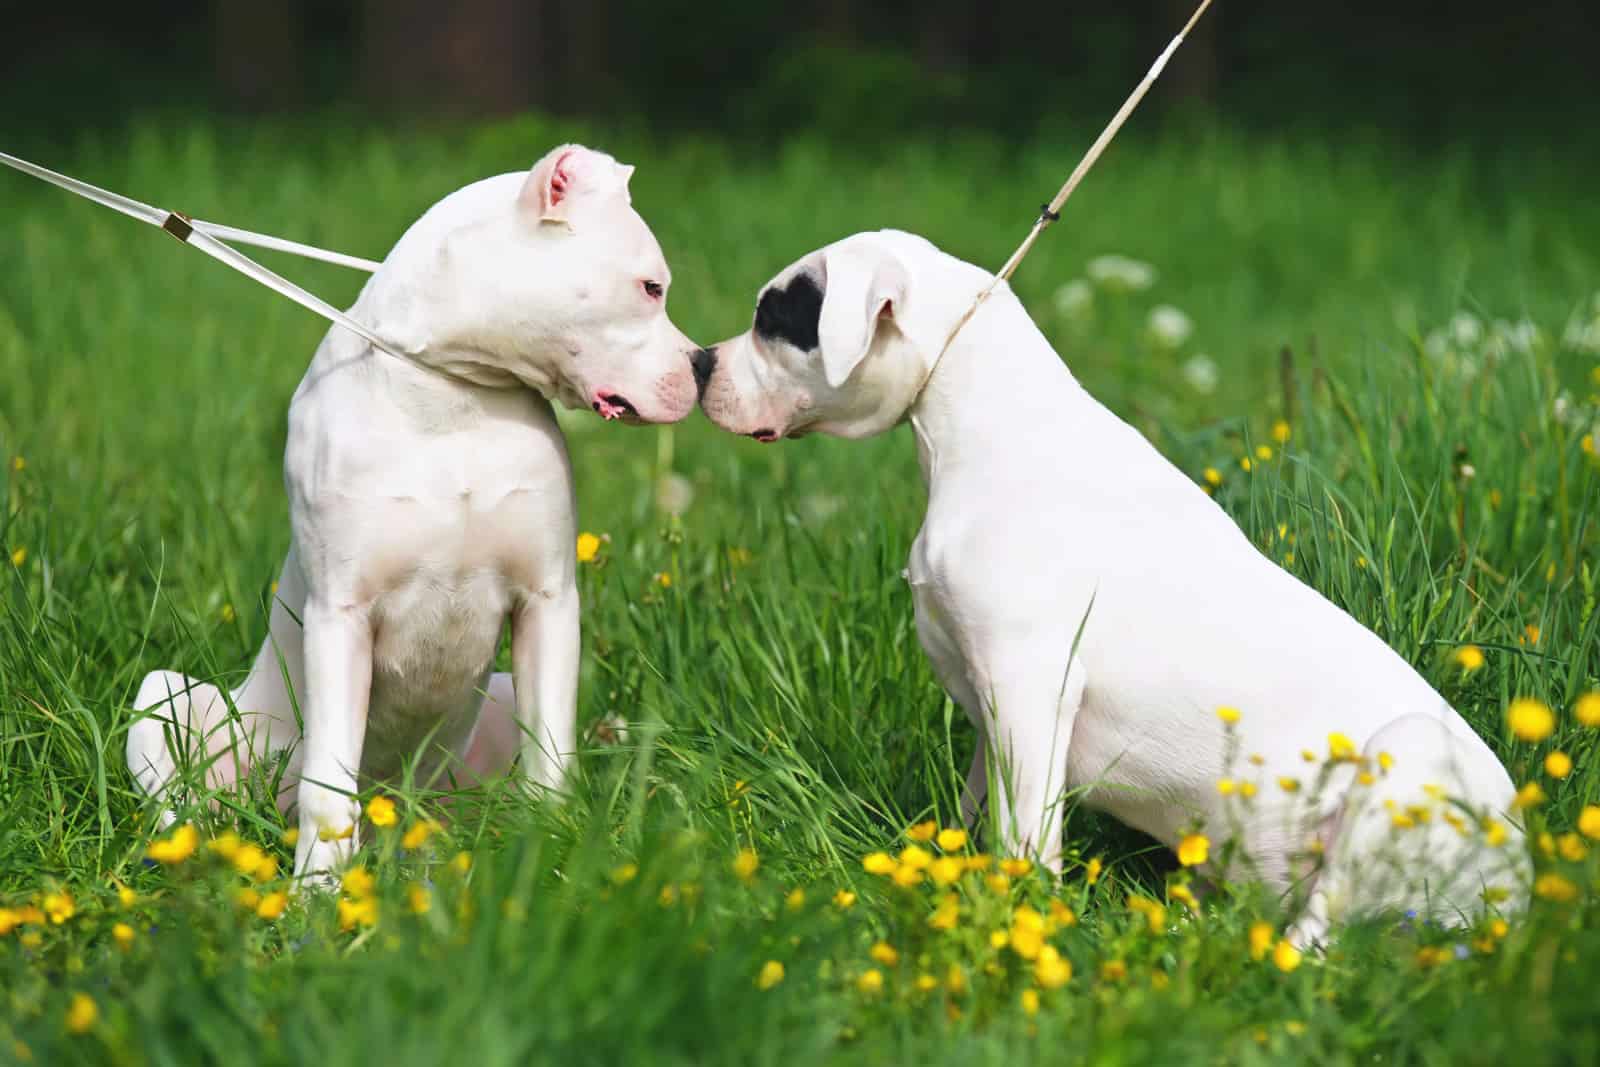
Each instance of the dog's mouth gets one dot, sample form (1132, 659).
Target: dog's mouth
(614, 406)
(765, 435)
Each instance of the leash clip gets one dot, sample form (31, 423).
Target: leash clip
(179, 225)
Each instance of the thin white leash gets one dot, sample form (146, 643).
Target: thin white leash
(208, 237)
(1051, 212)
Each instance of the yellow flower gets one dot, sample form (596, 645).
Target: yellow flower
(1530, 635)
(357, 883)
(980, 861)
(947, 914)
(946, 870)
(1247, 789)
(1281, 432)
(177, 847)
(329, 833)
(272, 906)
(884, 953)
(1183, 895)
(1051, 970)
(1228, 715)
(1341, 749)
(249, 857)
(1289, 785)
(291, 836)
(906, 877)
(878, 863)
(81, 1013)
(225, 844)
(1558, 764)
(1554, 887)
(19, 556)
(59, 906)
(1257, 759)
(952, 840)
(588, 547)
(844, 900)
(418, 899)
(1244, 463)
(870, 982)
(1213, 477)
(227, 613)
(668, 895)
(1469, 658)
(247, 898)
(1587, 709)
(624, 873)
(354, 913)
(1573, 850)
(18, 464)
(795, 900)
(1589, 822)
(927, 983)
(1547, 843)
(1385, 762)
(1113, 971)
(122, 933)
(1261, 935)
(126, 897)
(771, 974)
(916, 857)
(997, 883)
(1091, 873)
(1030, 1002)
(1159, 980)
(1285, 957)
(746, 863)
(1529, 796)
(380, 812)
(923, 831)
(1026, 936)
(1365, 778)
(1361, 562)
(663, 579)
(461, 862)
(1016, 868)
(1226, 786)
(1308, 755)
(955, 980)
(1531, 720)
(1154, 914)
(1062, 915)
(418, 833)
(1431, 956)
(1193, 850)
(1263, 452)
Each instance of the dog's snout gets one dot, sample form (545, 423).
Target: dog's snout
(704, 362)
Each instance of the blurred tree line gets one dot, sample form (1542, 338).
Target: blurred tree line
(844, 66)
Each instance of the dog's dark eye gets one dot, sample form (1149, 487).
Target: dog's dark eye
(653, 290)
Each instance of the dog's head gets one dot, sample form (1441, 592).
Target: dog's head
(831, 350)
(549, 278)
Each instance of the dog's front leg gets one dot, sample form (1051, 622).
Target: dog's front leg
(1033, 713)
(544, 674)
(338, 662)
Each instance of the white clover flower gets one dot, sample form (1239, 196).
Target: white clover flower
(1465, 329)
(1075, 298)
(674, 493)
(1169, 326)
(1200, 371)
(1121, 273)
(1436, 346)
(1583, 336)
(1562, 407)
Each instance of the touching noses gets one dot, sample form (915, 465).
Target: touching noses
(703, 362)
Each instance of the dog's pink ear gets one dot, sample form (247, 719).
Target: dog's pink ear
(567, 174)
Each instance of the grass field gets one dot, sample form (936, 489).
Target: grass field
(1427, 327)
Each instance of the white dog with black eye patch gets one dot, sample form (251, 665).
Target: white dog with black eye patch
(1091, 608)
(430, 500)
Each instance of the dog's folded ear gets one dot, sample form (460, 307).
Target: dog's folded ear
(567, 175)
(864, 285)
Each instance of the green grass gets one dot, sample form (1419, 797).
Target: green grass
(776, 696)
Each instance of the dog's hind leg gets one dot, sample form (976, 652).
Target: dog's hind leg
(191, 728)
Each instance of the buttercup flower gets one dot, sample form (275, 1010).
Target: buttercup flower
(1212, 476)
(1341, 749)
(380, 812)
(1228, 715)
(916, 857)
(923, 832)
(870, 982)
(1113, 970)
(1558, 764)
(357, 883)
(1062, 915)
(1281, 432)
(878, 863)
(588, 547)
(1530, 720)
(176, 847)
(745, 864)
(59, 906)
(946, 870)
(1573, 850)
(844, 900)
(354, 913)
(906, 876)
(1016, 867)
(1469, 658)
(1261, 934)
(272, 906)
(418, 833)
(947, 914)
(1587, 709)
(82, 1012)
(1286, 957)
(1289, 785)
(771, 974)
(418, 899)
(1226, 786)
(1555, 888)
(122, 934)
(1529, 796)
(1051, 970)
(1589, 822)
(1030, 1001)
(1193, 850)
(951, 839)
(1091, 873)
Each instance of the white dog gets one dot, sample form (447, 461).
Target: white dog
(430, 499)
(1091, 608)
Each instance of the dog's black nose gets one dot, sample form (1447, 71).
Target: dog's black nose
(704, 361)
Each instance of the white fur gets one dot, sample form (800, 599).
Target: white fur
(430, 500)
(1091, 608)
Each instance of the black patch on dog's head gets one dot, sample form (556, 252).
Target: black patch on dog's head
(791, 314)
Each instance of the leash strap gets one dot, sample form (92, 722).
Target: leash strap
(209, 238)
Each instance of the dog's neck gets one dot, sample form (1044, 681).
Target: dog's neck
(1000, 389)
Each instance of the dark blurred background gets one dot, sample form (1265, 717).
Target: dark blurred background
(843, 68)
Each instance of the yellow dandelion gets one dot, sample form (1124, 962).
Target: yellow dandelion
(1263, 452)
(272, 906)
(1587, 709)
(1558, 764)
(122, 934)
(997, 883)
(1529, 796)
(923, 831)
(905, 877)
(1469, 658)
(980, 861)
(1228, 715)
(1113, 971)
(1555, 888)
(418, 833)
(1051, 970)
(952, 840)
(946, 870)
(1530, 720)
(870, 982)
(248, 858)
(1213, 477)
(1193, 850)
(1289, 785)
(1244, 463)
(1530, 635)
(947, 915)
(1341, 749)
(125, 896)
(916, 857)
(1091, 873)
(82, 1012)
(1285, 957)
(1062, 915)
(1261, 935)
(354, 913)
(461, 862)
(1016, 867)
(1281, 432)
(176, 847)
(588, 547)
(59, 906)
(19, 556)
(771, 974)
(1573, 850)
(1247, 789)
(1589, 822)
(878, 863)
(844, 900)
(745, 864)
(1226, 786)
(1030, 1002)
(381, 812)
(884, 953)
(418, 899)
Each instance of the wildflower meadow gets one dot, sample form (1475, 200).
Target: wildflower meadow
(1385, 366)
